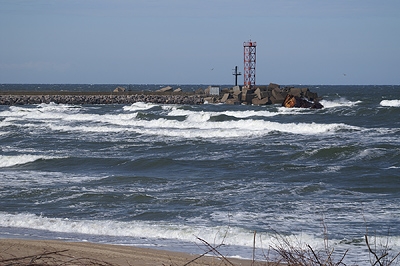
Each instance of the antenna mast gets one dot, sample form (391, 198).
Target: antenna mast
(249, 64)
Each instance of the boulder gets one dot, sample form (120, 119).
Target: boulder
(236, 88)
(237, 95)
(295, 101)
(257, 92)
(209, 100)
(278, 95)
(244, 93)
(262, 101)
(178, 90)
(272, 86)
(165, 89)
(232, 101)
(225, 97)
(274, 100)
(265, 94)
(312, 96)
(199, 91)
(295, 92)
(119, 89)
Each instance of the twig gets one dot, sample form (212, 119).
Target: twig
(315, 256)
(202, 255)
(34, 256)
(378, 260)
(214, 250)
(394, 258)
(254, 248)
(344, 255)
(329, 257)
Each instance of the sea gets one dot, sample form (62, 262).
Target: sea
(245, 178)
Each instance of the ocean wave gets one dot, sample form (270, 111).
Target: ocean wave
(54, 107)
(139, 106)
(48, 114)
(237, 114)
(145, 229)
(5, 124)
(390, 103)
(8, 161)
(28, 178)
(342, 102)
(202, 128)
(203, 115)
(130, 231)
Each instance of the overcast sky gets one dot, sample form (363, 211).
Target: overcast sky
(199, 41)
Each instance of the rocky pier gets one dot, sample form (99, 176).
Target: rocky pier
(121, 98)
(260, 95)
(263, 95)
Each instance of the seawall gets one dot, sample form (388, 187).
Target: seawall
(22, 98)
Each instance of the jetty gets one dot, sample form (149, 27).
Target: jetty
(259, 95)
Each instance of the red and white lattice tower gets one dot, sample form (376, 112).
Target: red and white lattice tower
(249, 64)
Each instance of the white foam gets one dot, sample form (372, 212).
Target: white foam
(5, 124)
(390, 103)
(342, 102)
(237, 114)
(227, 235)
(196, 125)
(28, 178)
(143, 229)
(8, 161)
(53, 107)
(49, 114)
(200, 127)
(139, 106)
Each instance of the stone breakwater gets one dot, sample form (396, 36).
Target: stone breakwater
(100, 99)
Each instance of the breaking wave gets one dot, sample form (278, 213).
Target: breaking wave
(342, 102)
(8, 161)
(139, 106)
(200, 127)
(390, 103)
(139, 229)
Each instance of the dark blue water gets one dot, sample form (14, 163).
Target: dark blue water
(162, 175)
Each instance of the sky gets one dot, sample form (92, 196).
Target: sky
(341, 42)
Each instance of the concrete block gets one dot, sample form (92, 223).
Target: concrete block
(263, 101)
(295, 92)
(232, 101)
(278, 95)
(225, 97)
(257, 92)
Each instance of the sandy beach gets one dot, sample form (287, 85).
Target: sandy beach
(50, 252)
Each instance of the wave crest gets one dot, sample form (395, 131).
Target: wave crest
(390, 103)
(8, 161)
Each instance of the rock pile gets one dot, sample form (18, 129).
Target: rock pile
(298, 102)
(262, 95)
(99, 99)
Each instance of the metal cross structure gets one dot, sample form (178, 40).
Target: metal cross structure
(236, 74)
(249, 64)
